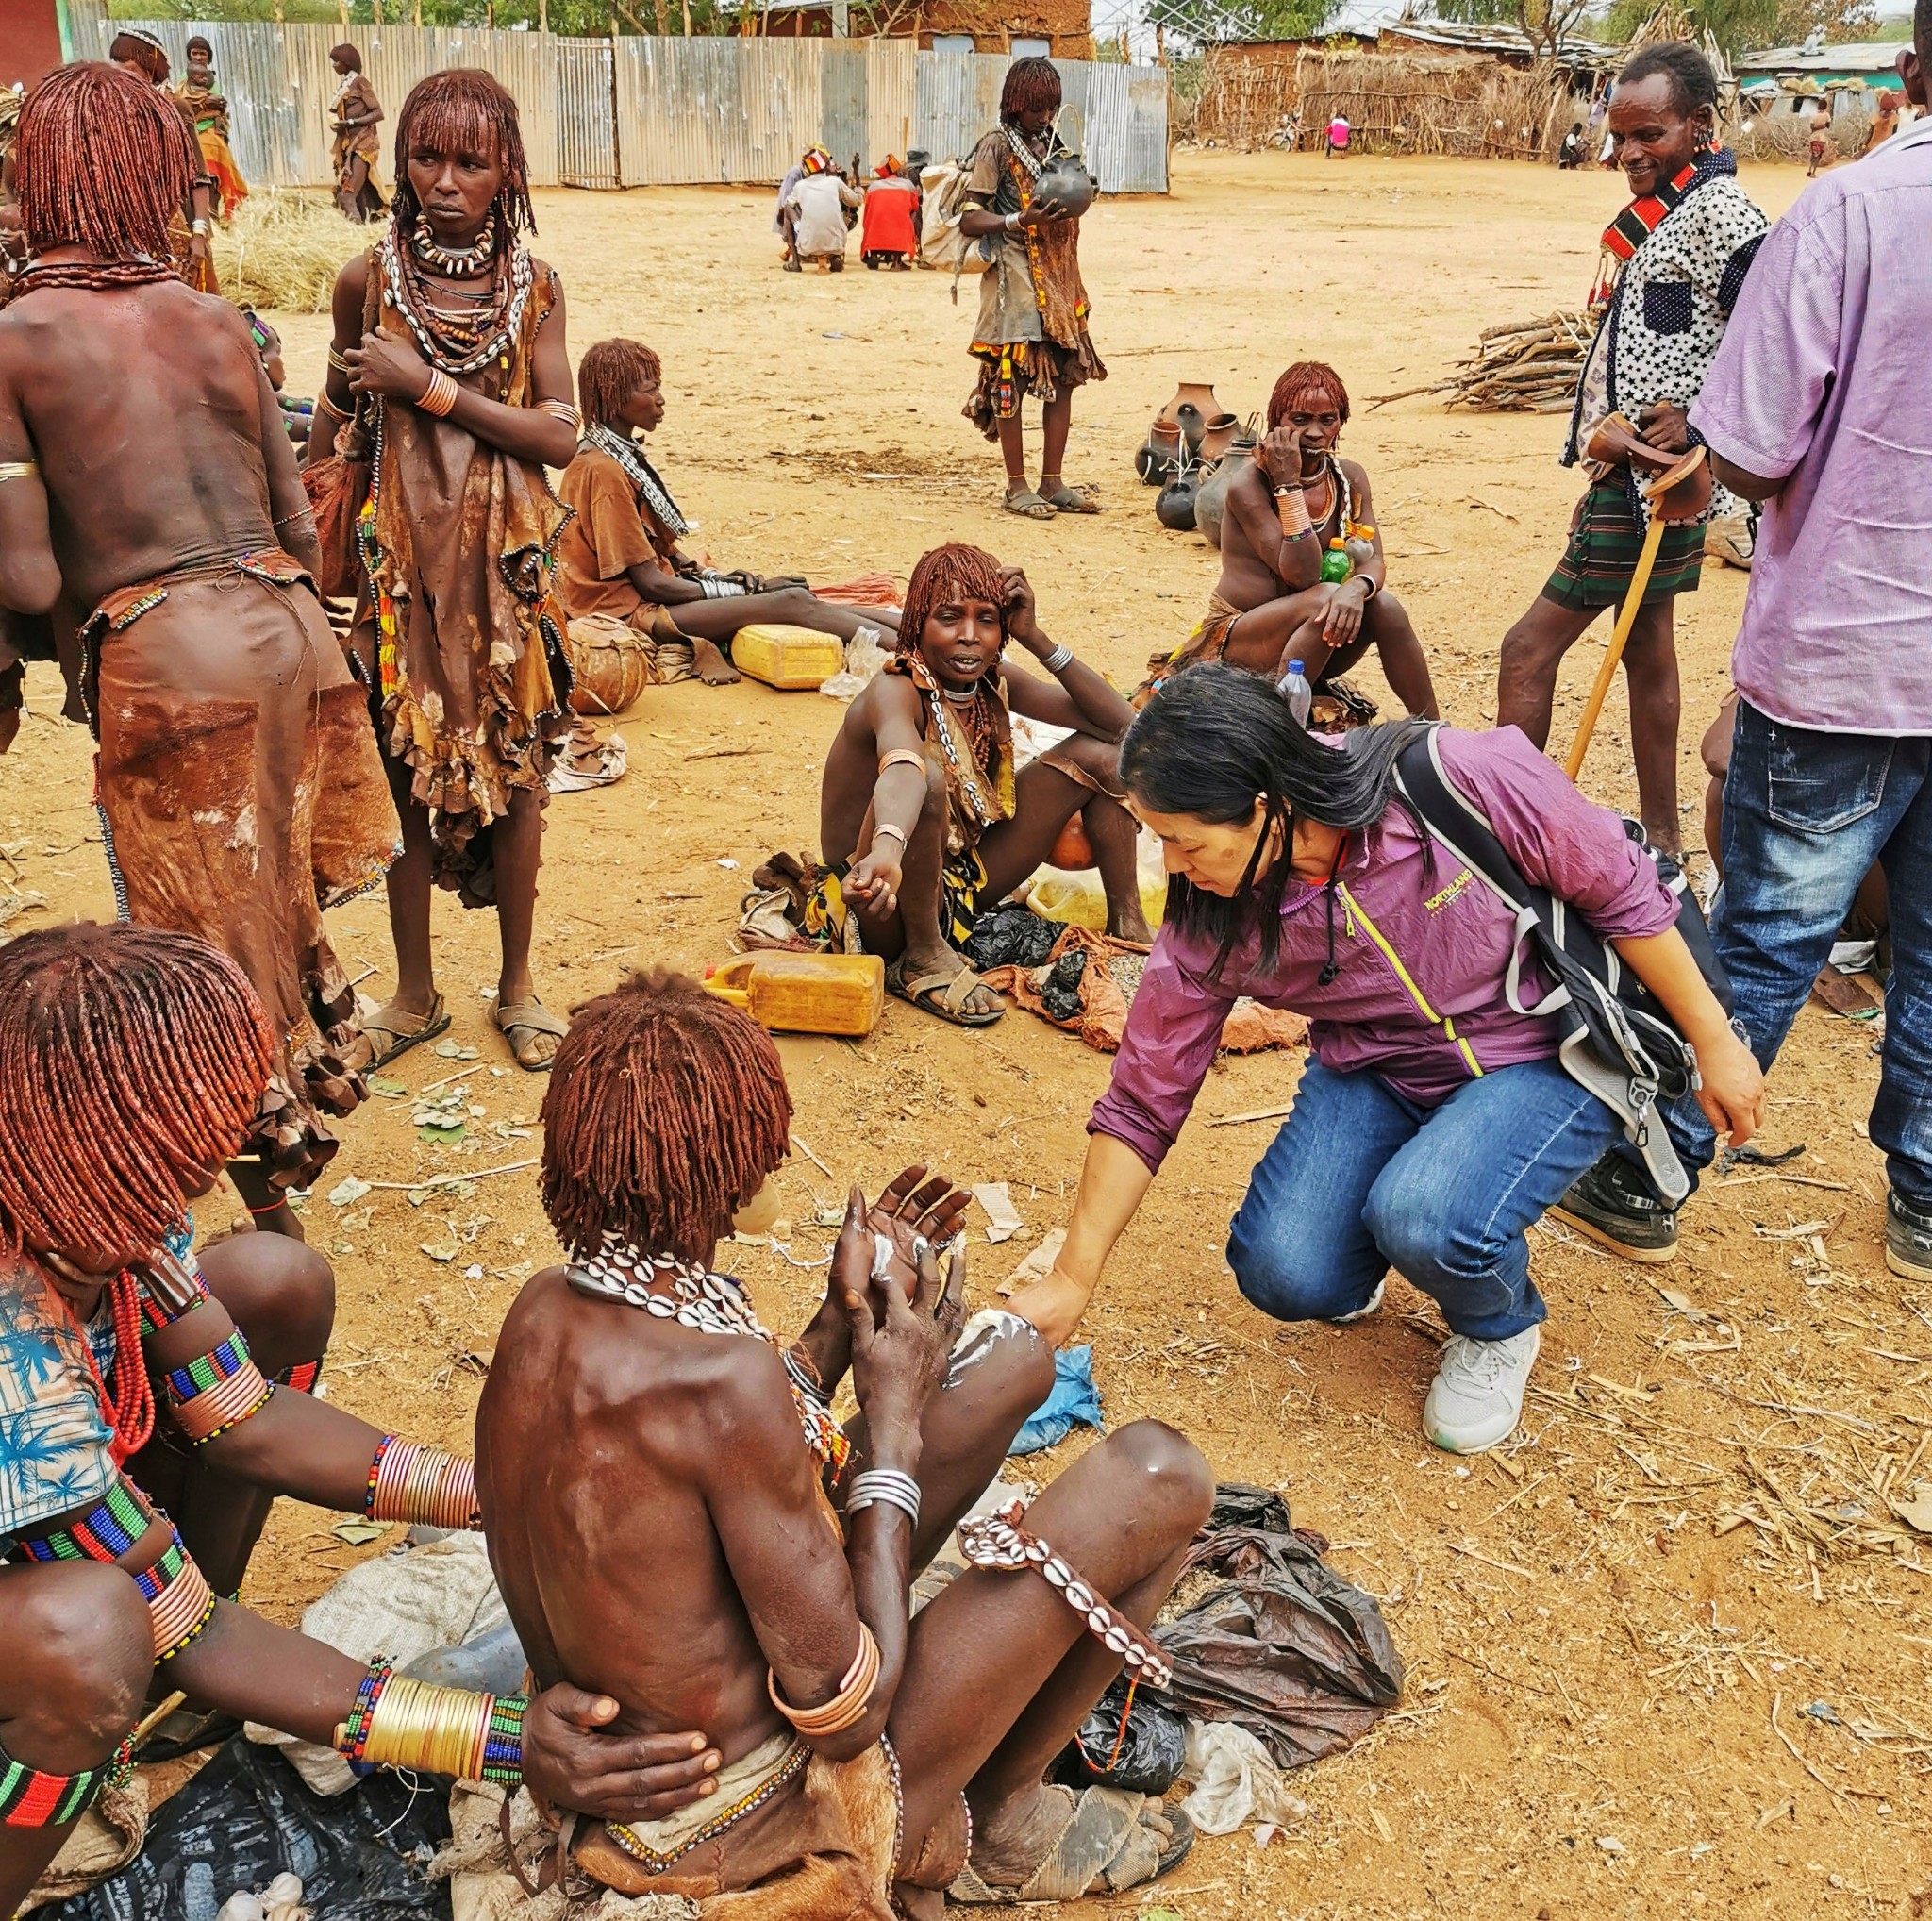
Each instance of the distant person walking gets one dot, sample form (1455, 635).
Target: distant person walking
(1820, 138)
(354, 115)
(1816, 405)
(1884, 121)
(1674, 261)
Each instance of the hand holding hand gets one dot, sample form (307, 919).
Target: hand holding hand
(900, 1346)
(874, 878)
(572, 1762)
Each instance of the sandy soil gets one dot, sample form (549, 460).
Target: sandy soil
(1667, 1653)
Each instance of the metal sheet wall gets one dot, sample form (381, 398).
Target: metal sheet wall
(644, 112)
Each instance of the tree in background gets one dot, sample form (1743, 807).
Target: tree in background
(1214, 23)
(1744, 26)
(1546, 23)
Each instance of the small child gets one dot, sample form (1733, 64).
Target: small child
(922, 816)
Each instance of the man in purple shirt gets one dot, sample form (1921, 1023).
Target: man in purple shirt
(1817, 406)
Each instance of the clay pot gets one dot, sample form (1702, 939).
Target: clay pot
(1160, 457)
(1192, 407)
(1210, 499)
(1176, 506)
(1072, 850)
(1067, 181)
(1217, 436)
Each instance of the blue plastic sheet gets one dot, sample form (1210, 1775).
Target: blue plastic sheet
(1075, 1398)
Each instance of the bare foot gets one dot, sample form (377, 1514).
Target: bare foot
(713, 669)
(946, 964)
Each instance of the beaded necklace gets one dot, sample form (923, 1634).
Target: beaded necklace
(707, 1303)
(640, 473)
(455, 344)
(459, 264)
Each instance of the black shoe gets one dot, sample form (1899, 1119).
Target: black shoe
(1613, 1205)
(1908, 1240)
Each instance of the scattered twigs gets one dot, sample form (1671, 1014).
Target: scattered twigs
(438, 1180)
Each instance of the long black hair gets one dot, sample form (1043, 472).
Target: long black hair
(1217, 738)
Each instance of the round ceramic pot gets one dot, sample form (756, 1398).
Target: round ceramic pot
(1210, 500)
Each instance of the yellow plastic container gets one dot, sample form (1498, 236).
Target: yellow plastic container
(804, 993)
(1078, 900)
(787, 657)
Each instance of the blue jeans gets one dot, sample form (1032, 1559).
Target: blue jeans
(1806, 816)
(1359, 1180)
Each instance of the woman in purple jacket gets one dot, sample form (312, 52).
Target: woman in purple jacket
(1433, 1123)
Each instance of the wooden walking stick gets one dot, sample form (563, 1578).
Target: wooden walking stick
(1679, 494)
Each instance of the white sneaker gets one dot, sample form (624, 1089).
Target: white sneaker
(1476, 1397)
(1362, 1312)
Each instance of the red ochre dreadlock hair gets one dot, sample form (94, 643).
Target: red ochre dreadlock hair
(609, 372)
(1030, 85)
(943, 573)
(1307, 381)
(131, 1062)
(102, 161)
(666, 1111)
(463, 109)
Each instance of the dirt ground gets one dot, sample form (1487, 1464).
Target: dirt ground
(1669, 1651)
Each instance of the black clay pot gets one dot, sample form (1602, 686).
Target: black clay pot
(1176, 506)
(1067, 181)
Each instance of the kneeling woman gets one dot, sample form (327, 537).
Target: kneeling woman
(1433, 1123)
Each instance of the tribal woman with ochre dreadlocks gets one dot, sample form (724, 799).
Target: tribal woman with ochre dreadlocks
(131, 1372)
(449, 359)
(921, 817)
(239, 781)
(1031, 336)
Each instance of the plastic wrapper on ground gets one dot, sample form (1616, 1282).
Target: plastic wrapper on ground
(1286, 1648)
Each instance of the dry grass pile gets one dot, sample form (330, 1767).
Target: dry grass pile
(1524, 366)
(284, 249)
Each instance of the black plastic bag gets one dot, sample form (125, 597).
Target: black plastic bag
(1010, 937)
(1286, 1648)
(248, 1815)
(1151, 1752)
(1060, 993)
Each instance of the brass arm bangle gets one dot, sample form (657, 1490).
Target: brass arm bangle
(337, 362)
(328, 406)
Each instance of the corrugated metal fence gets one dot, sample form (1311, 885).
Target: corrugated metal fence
(644, 111)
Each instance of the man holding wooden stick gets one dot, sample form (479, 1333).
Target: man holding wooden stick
(1673, 263)
(1816, 407)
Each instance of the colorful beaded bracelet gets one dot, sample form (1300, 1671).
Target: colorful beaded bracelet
(30, 1797)
(104, 1534)
(217, 1390)
(301, 1376)
(178, 1598)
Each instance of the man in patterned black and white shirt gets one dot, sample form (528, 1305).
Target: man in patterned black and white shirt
(1674, 261)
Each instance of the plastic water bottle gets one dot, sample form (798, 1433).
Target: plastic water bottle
(1294, 689)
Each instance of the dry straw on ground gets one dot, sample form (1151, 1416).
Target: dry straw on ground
(284, 249)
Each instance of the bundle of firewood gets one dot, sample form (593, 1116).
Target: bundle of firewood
(1524, 366)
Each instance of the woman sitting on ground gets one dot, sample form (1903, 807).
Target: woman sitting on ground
(131, 1064)
(619, 558)
(1434, 1121)
(675, 1518)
